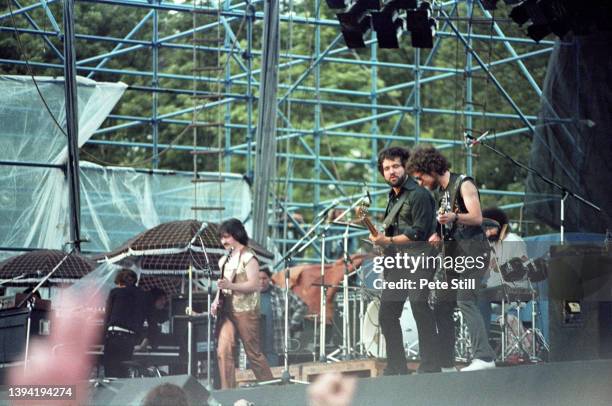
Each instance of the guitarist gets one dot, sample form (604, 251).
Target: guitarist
(236, 305)
(409, 219)
(462, 227)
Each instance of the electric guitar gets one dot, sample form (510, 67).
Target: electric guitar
(221, 298)
(445, 208)
(439, 274)
(362, 215)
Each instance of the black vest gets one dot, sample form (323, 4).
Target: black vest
(460, 231)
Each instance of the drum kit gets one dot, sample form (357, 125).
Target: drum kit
(360, 333)
(517, 341)
(359, 304)
(358, 307)
(359, 312)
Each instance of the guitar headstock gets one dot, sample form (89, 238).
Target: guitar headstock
(362, 210)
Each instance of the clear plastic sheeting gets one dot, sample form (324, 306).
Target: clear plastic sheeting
(98, 284)
(28, 132)
(33, 207)
(116, 204)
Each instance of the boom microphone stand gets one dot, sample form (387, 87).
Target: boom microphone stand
(564, 191)
(25, 299)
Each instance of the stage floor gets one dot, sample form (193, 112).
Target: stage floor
(555, 384)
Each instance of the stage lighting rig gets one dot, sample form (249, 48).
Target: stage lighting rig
(356, 22)
(547, 16)
(422, 26)
(389, 24)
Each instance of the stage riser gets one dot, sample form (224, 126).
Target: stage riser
(554, 384)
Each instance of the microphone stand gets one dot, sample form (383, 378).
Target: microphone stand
(346, 342)
(565, 192)
(208, 269)
(25, 299)
(322, 298)
(298, 247)
(190, 247)
(346, 351)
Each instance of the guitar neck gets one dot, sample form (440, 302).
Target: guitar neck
(370, 226)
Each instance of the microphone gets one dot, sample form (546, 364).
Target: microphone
(472, 140)
(328, 208)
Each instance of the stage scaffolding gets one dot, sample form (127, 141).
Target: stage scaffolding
(381, 112)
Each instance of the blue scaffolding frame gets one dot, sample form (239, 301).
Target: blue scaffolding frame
(306, 90)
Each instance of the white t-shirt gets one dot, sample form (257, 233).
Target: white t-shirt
(512, 246)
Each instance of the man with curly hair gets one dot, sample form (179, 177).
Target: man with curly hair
(460, 220)
(409, 221)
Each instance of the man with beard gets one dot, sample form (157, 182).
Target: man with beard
(462, 226)
(409, 219)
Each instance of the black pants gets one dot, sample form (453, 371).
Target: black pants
(118, 347)
(436, 342)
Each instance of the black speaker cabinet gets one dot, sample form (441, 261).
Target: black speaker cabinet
(580, 299)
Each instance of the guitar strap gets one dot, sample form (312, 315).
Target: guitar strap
(454, 192)
(393, 213)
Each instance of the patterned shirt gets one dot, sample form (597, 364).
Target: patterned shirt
(297, 311)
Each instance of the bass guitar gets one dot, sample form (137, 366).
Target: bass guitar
(221, 299)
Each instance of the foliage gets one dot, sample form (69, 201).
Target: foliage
(176, 67)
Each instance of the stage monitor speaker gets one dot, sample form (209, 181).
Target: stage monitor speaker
(131, 392)
(580, 301)
(14, 331)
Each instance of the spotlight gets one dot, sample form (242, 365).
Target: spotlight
(546, 15)
(354, 37)
(521, 13)
(388, 24)
(421, 25)
(356, 12)
(355, 22)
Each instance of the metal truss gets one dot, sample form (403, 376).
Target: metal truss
(367, 110)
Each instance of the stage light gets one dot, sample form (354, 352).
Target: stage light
(388, 24)
(354, 36)
(521, 13)
(388, 28)
(421, 25)
(547, 16)
(355, 22)
(351, 18)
